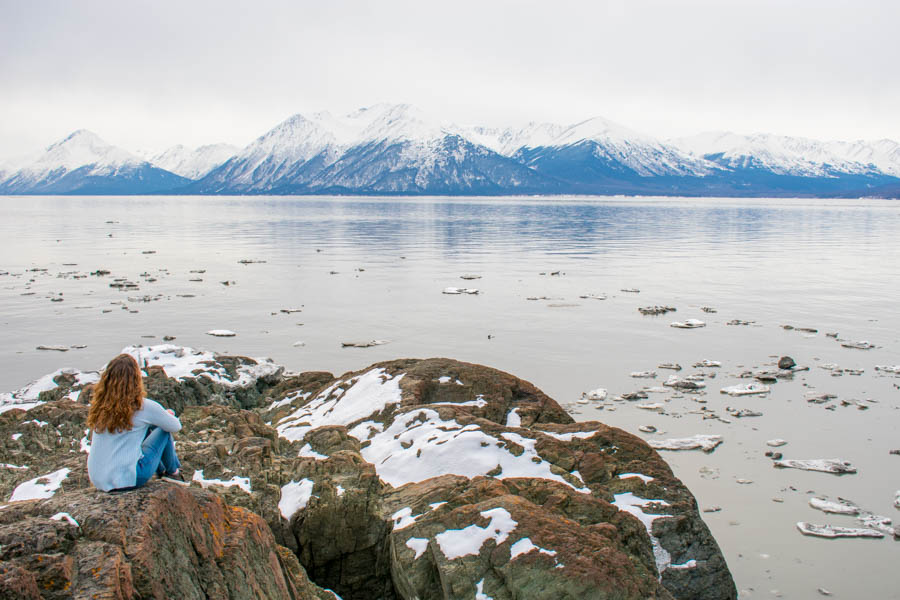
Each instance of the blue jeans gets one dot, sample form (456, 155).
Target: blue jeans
(158, 455)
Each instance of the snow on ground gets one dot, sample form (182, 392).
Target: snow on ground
(60, 516)
(241, 482)
(417, 545)
(39, 487)
(513, 419)
(419, 445)
(187, 363)
(644, 478)
(524, 546)
(455, 543)
(635, 505)
(366, 394)
(294, 496)
(27, 397)
(307, 452)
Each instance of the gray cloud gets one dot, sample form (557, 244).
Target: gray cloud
(152, 74)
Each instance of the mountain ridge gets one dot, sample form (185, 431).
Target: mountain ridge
(399, 149)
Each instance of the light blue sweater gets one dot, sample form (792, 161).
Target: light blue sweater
(112, 462)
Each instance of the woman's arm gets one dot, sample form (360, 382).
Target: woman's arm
(157, 415)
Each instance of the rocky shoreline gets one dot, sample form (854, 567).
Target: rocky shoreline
(408, 479)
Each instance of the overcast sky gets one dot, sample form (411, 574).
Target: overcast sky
(147, 75)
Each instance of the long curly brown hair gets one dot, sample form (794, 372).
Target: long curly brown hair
(117, 396)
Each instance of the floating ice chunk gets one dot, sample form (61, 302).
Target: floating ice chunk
(64, 516)
(841, 507)
(597, 395)
(829, 531)
(241, 482)
(708, 363)
(294, 496)
(456, 290)
(897, 500)
(644, 478)
(56, 348)
(652, 406)
(743, 412)
(888, 369)
(513, 419)
(643, 374)
(878, 523)
(593, 297)
(39, 487)
(672, 366)
(298, 344)
(455, 543)
(746, 389)
(825, 465)
(417, 545)
(308, 452)
(707, 443)
(524, 546)
(221, 333)
(688, 324)
(366, 344)
(470, 277)
(861, 345)
(634, 505)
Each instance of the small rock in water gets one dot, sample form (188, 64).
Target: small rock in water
(289, 311)
(820, 398)
(631, 291)
(800, 329)
(738, 322)
(470, 277)
(712, 509)
(168, 338)
(683, 384)
(221, 333)
(786, 362)
(631, 396)
(688, 324)
(708, 309)
(656, 310)
(824, 465)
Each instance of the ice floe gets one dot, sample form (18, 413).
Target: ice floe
(680, 383)
(643, 374)
(895, 369)
(830, 531)
(456, 290)
(688, 324)
(241, 482)
(704, 442)
(825, 465)
(295, 496)
(597, 395)
(746, 389)
(39, 487)
(221, 333)
(839, 507)
(455, 543)
(861, 345)
(364, 344)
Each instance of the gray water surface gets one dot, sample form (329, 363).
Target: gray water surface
(364, 268)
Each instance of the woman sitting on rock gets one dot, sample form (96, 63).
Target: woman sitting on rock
(131, 435)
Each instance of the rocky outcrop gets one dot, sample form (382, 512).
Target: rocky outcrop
(409, 479)
(160, 541)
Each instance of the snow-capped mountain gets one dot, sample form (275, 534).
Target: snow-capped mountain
(85, 164)
(193, 164)
(398, 149)
(803, 157)
(386, 148)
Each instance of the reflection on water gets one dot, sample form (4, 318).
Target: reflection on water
(363, 268)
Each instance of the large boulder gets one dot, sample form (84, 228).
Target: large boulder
(408, 479)
(160, 541)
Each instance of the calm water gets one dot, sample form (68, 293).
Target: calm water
(366, 268)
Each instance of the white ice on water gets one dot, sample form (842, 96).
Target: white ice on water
(746, 389)
(704, 442)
